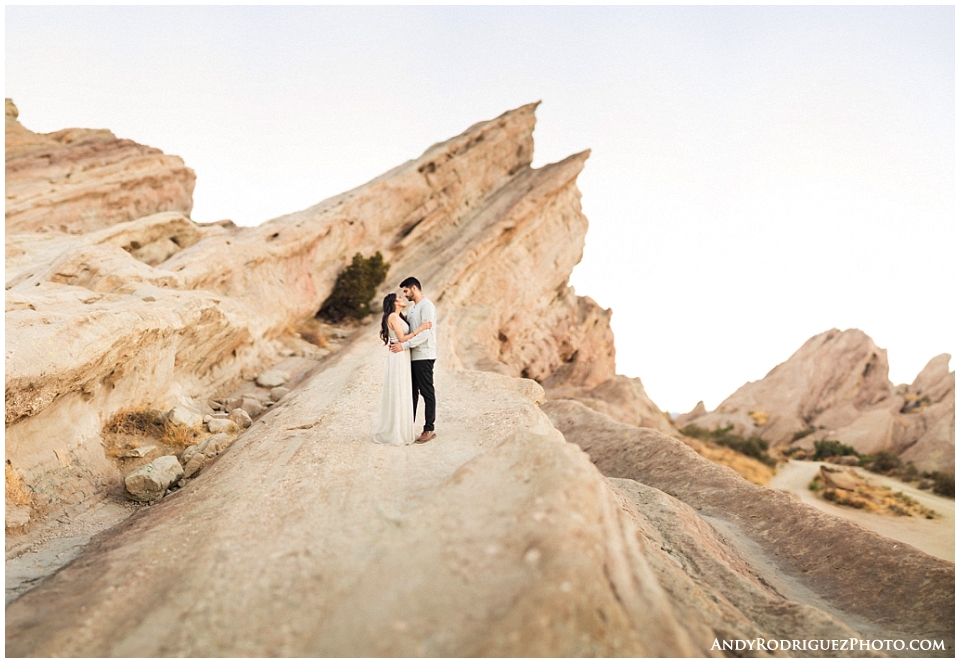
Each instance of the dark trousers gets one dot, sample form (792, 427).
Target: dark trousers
(421, 371)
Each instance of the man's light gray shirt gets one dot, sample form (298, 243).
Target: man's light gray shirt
(424, 344)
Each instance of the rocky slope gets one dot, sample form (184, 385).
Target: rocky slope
(501, 538)
(79, 180)
(836, 387)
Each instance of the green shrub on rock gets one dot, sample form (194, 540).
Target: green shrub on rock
(829, 448)
(356, 286)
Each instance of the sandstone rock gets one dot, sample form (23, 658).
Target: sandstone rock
(196, 463)
(79, 180)
(16, 516)
(215, 445)
(222, 426)
(241, 418)
(232, 404)
(849, 460)
(252, 407)
(185, 417)
(838, 478)
(836, 385)
(188, 453)
(273, 378)
(149, 483)
(278, 392)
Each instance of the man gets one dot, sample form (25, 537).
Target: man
(423, 353)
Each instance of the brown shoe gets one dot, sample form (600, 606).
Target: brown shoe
(425, 436)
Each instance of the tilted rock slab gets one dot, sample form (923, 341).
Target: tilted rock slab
(94, 326)
(80, 180)
(861, 581)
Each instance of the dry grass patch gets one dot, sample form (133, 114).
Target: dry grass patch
(869, 497)
(15, 489)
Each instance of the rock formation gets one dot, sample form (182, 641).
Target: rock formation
(79, 180)
(499, 539)
(836, 387)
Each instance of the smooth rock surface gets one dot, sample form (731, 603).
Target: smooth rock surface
(270, 379)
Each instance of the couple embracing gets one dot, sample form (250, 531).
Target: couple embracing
(409, 370)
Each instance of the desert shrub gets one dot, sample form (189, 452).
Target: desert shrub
(181, 437)
(910, 472)
(137, 421)
(829, 448)
(942, 483)
(356, 285)
(800, 434)
(752, 446)
(814, 485)
(884, 462)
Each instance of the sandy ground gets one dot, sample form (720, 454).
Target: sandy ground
(935, 537)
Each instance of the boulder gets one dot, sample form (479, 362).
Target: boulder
(196, 463)
(252, 406)
(149, 483)
(278, 392)
(241, 418)
(185, 417)
(274, 378)
(215, 445)
(849, 460)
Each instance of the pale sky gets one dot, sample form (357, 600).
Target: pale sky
(759, 174)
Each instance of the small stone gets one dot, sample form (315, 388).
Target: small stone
(278, 392)
(286, 352)
(252, 406)
(138, 452)
(183, 416)
(241, 418)
(151, 481)
(214, 404)
(216, 445)
(188, 453)
(849, 460)
(216, 415)
(272, 378)
(232, 404)
(222, 426)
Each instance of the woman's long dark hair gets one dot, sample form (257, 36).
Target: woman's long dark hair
(388, 305)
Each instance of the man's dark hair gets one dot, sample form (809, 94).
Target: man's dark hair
(409, 282)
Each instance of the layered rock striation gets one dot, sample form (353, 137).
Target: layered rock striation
(80, 180)
(836, 387)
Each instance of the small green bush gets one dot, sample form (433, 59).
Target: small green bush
(800, 434)
(752, 446)
(884, 462)
(829, 448)
(814, 485)
(356, 286)
(942, 483)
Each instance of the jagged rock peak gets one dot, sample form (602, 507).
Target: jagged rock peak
(836, 386)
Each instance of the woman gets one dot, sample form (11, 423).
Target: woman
(396, 409)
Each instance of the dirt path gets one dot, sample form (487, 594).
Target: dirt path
(935, 537)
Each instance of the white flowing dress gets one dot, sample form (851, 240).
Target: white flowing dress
(396, 403)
